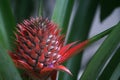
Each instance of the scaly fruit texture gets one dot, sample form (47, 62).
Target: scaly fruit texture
(40, 50)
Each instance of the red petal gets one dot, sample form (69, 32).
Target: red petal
(25, 65)
(72, 51)
(63, 68)
(19, 63)
(65, 48)
(13, 56)
(22, 65)
(46, 70)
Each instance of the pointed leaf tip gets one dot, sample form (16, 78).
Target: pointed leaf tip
(63, 68)
(73, 50)
(66, 47)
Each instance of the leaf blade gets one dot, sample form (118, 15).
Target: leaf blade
(62, 12)
(7, 24)
(108, 71)
(79, 31)
(116, 75)
(7, 68)
(91, 72)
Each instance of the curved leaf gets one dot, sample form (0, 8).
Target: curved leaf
(62, 13)
(7, 68)
(79, 31)
(116, 73)
(108, 71)
(7, 24)
(102, 55)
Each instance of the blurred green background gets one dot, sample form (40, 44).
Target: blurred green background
(77, 18)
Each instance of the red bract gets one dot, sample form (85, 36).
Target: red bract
(40, 50)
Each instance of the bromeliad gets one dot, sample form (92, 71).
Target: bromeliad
(40, 50)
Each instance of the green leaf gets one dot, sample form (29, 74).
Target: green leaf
(7, 68)
(108, 71)
(41, 8)
(102, 55)
(62, 13)
(79, 31)
(23, 9)
(7, 24)
(116, 73)
(107, 7)
(100, 35)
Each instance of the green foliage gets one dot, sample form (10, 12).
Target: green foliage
(23, 9)
(79, 29)
(62, 13)
(111, 66)
(107, 7)
(7, 68)
(7, 24)
(102, 55)
(116, 74)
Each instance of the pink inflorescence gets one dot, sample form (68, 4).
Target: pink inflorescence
(40, 50)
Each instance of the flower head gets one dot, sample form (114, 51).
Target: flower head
(40, 50)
